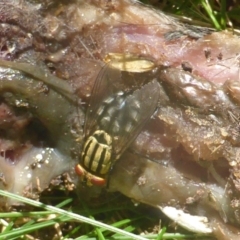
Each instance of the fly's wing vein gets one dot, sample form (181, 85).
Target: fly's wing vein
(137, 110)
(101, 90)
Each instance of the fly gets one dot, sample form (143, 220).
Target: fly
(114, 119)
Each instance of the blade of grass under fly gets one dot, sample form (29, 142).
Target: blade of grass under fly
(161, 233)
(96, 229)
(70, 215)
(9, 227)
(32, 214)
(169, 236)
(33, 227)
(73, 232)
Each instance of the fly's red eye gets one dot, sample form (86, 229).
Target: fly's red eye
(79, 170)
(98, 181)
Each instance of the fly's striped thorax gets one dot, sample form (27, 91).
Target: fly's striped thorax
(97, 153)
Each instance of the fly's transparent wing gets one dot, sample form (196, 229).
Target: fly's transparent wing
(104, 86)
(130, 116)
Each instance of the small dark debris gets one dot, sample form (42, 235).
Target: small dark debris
(220, 56)
(186, 66)
(207, 53)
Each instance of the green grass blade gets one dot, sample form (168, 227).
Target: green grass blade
(70, 215)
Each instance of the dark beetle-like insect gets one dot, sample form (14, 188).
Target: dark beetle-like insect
(114, 118)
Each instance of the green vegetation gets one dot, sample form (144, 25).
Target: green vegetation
(74, 219)
(26, 225)
(220, 14)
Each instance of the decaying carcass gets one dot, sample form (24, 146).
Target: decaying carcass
(186, 154)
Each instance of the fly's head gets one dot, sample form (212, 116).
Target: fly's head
(88, 178)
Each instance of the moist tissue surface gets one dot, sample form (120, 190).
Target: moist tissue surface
(186, 156)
